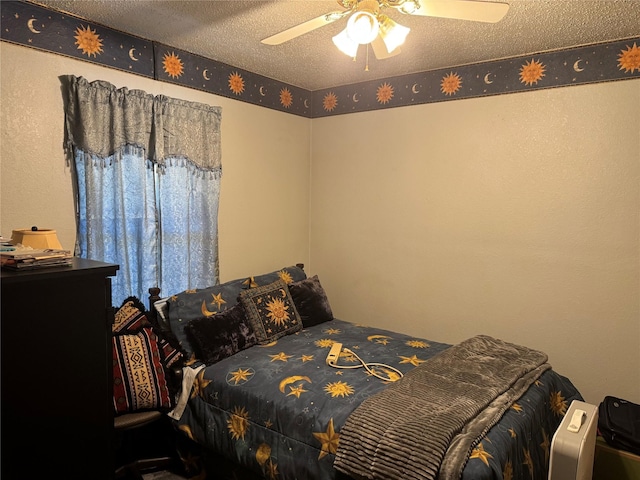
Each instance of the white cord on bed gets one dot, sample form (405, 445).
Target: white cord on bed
(367, 367)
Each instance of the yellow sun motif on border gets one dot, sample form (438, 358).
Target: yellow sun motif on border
(236, 83)
(238, 423)
(330, 101)
(88, 41)
(558, 403)
(531, 72)
(338, 389)
(277, 311)
(285, 276)
(286, 99)
(451, 83)
(384, 93)
(172, 65)
(629, 59)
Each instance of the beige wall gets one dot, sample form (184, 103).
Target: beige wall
(263, 216)
(515, 216)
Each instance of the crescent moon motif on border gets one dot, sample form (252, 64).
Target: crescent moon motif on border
(486, 79)
(30, 25)
(205, 75)
(576, 65)
(132, 54)
(355, 99)
(414, 88)
(306, 103)
(262, 91)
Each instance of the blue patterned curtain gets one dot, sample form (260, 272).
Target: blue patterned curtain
(148, 184)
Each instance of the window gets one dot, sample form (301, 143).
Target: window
(148, 175)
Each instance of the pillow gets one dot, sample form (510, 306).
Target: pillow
(311, 301)
(139, 381)
(206, 302)
(220, 336)
(270, 311)
(130, 318)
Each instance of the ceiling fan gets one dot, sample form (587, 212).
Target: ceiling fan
(368, 24)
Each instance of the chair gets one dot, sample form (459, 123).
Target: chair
(145, 442)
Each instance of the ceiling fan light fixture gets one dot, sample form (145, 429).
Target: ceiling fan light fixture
(392, 33)
(345, 44)
(408, 7)
(362, 27)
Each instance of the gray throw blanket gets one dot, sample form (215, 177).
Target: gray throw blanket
(425, 425)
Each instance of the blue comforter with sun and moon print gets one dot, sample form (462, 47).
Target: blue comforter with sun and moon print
(277, 410)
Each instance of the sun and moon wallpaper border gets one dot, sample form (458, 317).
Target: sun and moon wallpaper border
(34, 26)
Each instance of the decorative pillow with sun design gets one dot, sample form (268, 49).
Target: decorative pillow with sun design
(207, 302)
(271, 311)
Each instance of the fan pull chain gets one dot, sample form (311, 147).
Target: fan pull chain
(366, 67)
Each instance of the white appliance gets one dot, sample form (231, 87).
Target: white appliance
(574, 443)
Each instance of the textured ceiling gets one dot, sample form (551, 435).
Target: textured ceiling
(230, 32)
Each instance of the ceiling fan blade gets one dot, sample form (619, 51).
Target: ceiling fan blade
(304, 27)
(380, 49)
(490, 12)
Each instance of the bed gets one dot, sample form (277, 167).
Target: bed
(260, 401)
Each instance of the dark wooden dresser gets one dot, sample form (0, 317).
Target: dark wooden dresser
(56, 383)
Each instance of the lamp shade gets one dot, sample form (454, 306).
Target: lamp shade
(362, 27)
(392, 33)
(345, 44)
(36, 238)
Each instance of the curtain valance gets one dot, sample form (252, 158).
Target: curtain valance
(102, 120)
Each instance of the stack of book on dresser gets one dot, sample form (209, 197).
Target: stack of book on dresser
(22, 258)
